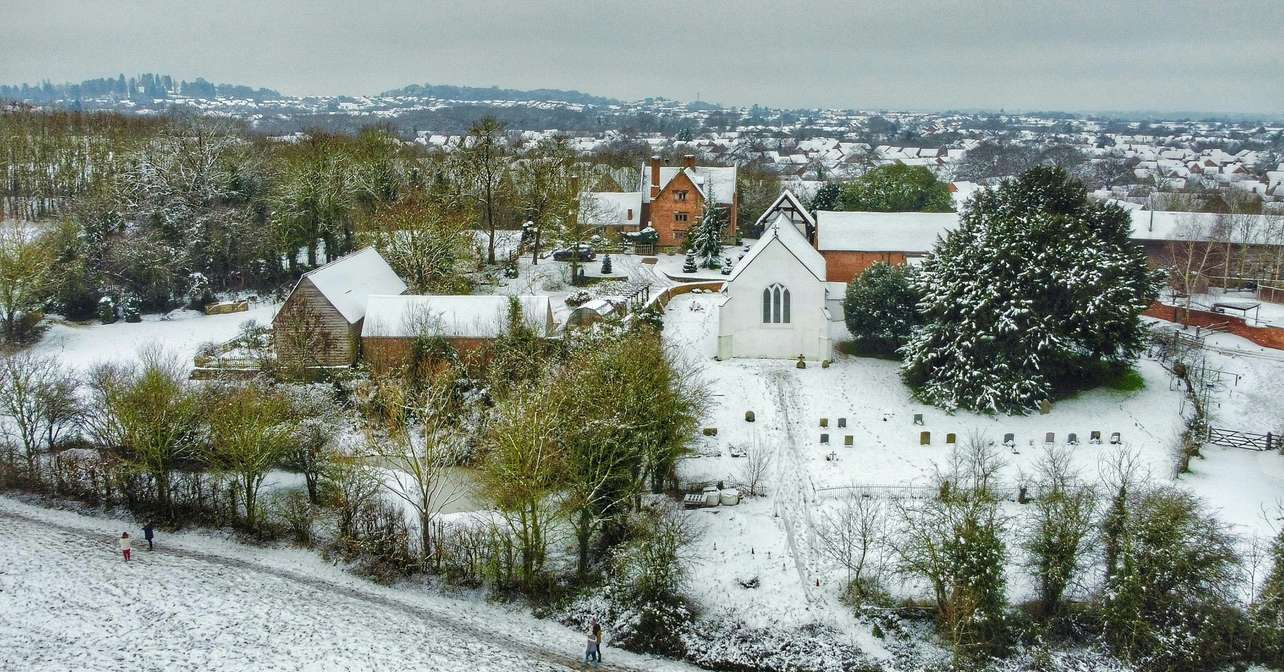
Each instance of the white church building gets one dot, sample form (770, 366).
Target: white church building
(776, 302)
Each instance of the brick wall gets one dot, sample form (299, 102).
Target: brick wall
(1267, 337)
(664, 206)
(843, 266)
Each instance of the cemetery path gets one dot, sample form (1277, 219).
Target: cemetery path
(795, 495)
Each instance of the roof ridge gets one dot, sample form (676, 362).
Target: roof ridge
(332, 262)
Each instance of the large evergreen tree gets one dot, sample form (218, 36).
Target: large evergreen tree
(1037, 285)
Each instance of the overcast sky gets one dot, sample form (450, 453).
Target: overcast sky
(1163, 55)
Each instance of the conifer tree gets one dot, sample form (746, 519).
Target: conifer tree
(1036, 286)
(706, 238)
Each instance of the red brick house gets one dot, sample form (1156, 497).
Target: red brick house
(673, 198)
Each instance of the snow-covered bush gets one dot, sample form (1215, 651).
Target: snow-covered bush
(106, 311)
(578, 298)
(1035, 283)
(1167, 605)
(880, 308)
(198, 291)
(131, 307)
(726, 643)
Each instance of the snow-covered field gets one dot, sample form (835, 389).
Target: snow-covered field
(202, 602)
(80, 345)
(774, 538)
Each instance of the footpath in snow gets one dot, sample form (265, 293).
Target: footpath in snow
(69, 602)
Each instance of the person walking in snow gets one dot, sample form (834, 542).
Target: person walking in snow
(148, 534)
(597, 637)
(591, 654)
(125, 545)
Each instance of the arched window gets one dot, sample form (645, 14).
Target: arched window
(775, 305)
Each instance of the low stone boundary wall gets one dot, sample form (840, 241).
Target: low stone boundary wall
(1267, 337)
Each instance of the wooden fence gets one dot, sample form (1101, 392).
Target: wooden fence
(1248, 441)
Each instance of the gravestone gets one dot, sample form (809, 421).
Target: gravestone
(1073, 439)
(924, 438)
(1009, 439)
(824, 438)
(710, 431)
(1049, 438)
(1094, 437)
(918, 418)
(749, 416)
(824, 422)
(849, 440)
(1115, 439)
(842, 423)
(950, 439)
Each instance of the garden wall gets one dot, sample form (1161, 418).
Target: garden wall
(1268, 337)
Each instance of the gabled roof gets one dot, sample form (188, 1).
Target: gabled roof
(786, 198)
(451, 316)
(782, 231)
(882, 231)
(611, 208)
(348, 281)
(722, 181)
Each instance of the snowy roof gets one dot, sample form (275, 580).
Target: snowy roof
(721, 180)
(451, 316)
(786, 199)
(782, 231)
(1166, 225)
(611, 208)
(882, 231)
(348, 281)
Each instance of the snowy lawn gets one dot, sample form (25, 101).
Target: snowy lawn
(807, 476)
(68, 602)
(671, 264)
(82, 344)
(553, 279)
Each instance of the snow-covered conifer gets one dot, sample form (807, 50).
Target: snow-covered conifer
(1035, 284)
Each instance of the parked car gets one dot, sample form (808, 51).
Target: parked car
(585, 253)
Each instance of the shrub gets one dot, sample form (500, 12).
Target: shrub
(294, 511)
(880, 309)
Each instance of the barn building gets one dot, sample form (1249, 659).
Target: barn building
(395, 324)
(851, 242)
(320, 322)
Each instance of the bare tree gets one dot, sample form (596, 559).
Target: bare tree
(755, 467)
(419, 444)
(1193, 255)
(482, 164)
(24, 381)
(852, 535)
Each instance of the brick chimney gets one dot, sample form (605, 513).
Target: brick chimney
(688, 160)
(655, 175)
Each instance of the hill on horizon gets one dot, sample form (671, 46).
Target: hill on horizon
(475, 93)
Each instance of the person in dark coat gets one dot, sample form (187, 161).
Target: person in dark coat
(149, 534)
